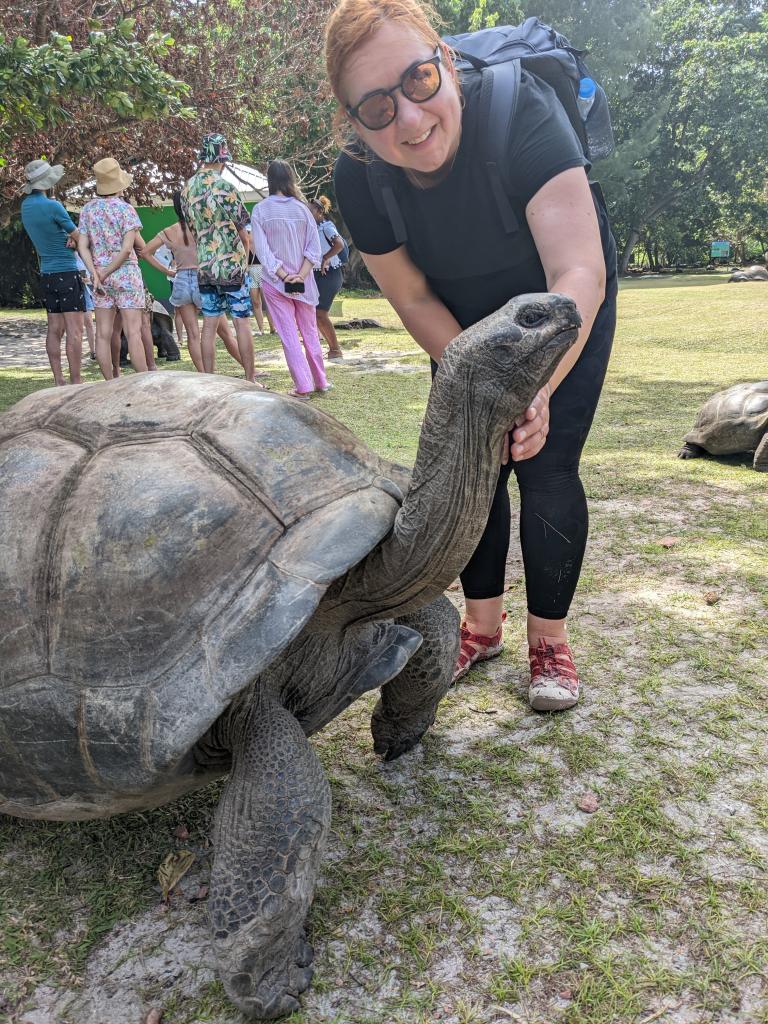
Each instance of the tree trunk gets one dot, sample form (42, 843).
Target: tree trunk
(628, 249)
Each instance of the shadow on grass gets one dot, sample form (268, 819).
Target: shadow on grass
(675, 281)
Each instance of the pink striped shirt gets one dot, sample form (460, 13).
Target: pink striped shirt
(284, 232)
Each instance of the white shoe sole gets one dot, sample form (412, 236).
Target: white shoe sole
(551, 697)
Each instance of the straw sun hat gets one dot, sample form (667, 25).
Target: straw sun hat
(110, 177)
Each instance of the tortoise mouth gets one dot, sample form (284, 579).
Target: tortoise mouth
(560, 342)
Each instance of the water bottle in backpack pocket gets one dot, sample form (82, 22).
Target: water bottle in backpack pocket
(593, 107)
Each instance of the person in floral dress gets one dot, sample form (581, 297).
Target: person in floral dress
(109, 229)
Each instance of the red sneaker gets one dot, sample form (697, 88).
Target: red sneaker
(554, 679)
(475, 647)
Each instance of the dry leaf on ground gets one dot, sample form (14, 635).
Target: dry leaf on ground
(669, 542)
(711, 596)
(154, 1016)
(588, 803)
(173, 869)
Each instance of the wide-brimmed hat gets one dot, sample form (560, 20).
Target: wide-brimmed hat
(110, 177)
(41, 175)
(214, 149)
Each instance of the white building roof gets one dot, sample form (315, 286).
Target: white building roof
(249, 181)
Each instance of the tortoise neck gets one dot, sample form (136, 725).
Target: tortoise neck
(444, 512)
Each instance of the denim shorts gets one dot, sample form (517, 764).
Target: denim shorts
(185, 290)
(328, 285)
(216, 302)
(254, 272)
(89, 306)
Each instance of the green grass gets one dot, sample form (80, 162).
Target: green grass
(462, 884)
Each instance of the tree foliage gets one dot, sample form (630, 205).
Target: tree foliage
(698, 105)
(687, 81)
(84, 79)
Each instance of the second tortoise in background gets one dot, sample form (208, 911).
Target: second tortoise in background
(730, 422)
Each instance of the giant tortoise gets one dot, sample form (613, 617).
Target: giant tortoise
(196, 575)
(755, 273)
(730, 422)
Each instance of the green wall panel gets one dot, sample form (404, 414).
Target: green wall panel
(154, 219)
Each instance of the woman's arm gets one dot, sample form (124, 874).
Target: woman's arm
(313, 251)
(336, 246)
(152, 247)
(129, 241)
(261, 247)
(84, 248)
(564, 226)
(562, 219)
(424, 316)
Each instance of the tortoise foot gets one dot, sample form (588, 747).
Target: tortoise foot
(393, 737)
(690, 451)
(267, 990)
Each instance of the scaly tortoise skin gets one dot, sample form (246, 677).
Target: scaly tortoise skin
(730, 422)
(196, 575)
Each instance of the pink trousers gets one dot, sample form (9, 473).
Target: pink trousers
(291, 318)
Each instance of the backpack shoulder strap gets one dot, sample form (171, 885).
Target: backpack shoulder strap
(497, 106)
(382, 181)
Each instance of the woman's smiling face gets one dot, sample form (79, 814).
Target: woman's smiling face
(423, 137)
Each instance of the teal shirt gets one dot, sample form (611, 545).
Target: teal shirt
(49, 225)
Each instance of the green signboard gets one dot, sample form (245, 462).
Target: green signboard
(720, 250)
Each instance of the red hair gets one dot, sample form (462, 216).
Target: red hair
(353, 22)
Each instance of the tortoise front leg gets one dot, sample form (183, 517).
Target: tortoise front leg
(408, 704)
(691, 451)
(269, 834)
(760, 462)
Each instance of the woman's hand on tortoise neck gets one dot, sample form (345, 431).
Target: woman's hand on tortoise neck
(529, 434)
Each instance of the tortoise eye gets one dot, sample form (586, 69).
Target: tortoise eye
(532, 317)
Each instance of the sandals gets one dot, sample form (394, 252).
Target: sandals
(475, 647)
(302, 396)
(554, 679)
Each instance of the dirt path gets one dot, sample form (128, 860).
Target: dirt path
(22, 342)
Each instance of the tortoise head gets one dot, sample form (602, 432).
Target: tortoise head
(502, 361)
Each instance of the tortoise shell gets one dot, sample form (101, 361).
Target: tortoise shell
(164, 536)
(733, 420)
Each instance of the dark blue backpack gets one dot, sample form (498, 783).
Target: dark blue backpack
(498, 55)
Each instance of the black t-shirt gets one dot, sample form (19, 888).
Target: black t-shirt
(455, 235)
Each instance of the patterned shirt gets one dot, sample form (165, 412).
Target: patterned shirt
(106, 220)
(214, 210)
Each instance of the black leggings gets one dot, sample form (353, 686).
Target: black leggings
(553, 507)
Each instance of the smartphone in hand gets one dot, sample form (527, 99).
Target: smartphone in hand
(293, 287)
